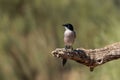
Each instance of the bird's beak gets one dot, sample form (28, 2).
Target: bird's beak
(63, 25)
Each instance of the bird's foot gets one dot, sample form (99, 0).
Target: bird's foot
(68, 48)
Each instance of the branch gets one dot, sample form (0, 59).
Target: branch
(90, 57)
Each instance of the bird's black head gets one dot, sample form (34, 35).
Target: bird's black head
(69, 26)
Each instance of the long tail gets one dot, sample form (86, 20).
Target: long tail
(64, 62)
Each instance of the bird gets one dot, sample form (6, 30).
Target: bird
(69, 38)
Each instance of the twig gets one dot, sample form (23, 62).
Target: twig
(90, 57)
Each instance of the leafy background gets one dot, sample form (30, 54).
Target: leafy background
(31, 29)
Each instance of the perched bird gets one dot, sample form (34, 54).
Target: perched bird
(69, 38)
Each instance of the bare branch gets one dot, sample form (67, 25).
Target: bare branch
(90, 57)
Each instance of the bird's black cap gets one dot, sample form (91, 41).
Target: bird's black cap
(69, 26)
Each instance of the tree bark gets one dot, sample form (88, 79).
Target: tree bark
(90, 57)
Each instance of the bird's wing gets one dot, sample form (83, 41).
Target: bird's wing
(75, 34)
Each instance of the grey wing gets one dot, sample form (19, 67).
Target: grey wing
(74, 34)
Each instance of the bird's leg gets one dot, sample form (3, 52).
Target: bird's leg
(66, 48)
(71, 48)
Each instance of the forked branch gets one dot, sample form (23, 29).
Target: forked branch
(90, 57)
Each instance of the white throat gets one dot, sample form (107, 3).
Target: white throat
(67, 29)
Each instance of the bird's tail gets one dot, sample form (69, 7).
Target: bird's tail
(64, 62)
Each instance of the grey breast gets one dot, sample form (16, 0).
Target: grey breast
(69, 37)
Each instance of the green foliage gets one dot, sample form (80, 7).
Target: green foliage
(31, 29)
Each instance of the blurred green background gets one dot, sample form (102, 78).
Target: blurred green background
(31, 29)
